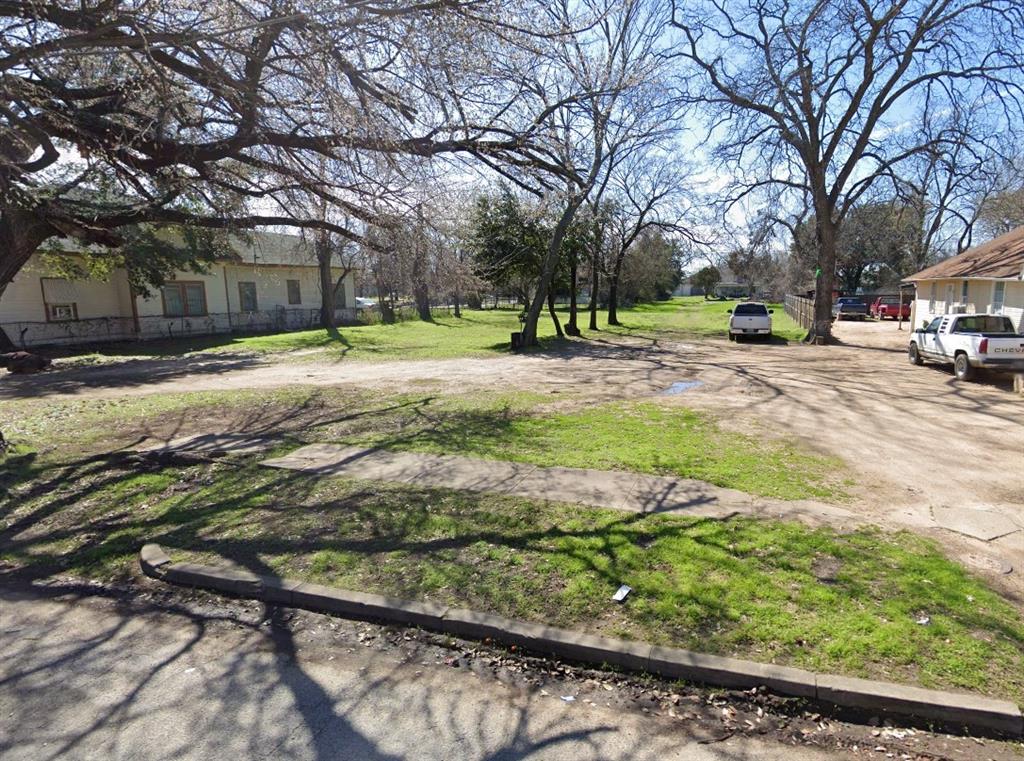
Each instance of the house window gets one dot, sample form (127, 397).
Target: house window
(948, 306)
(247, 297)
(964, 291)
(998, 297)
(184, 299)
(59, 303)
(933, 297)
(294, 292)
(61, 312)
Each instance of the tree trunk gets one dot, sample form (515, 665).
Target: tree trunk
(457, 298)
(384, 303)
(548, 271)
(613, 290)
(595, 285)
(421, 293)
(824, 281)
(323, 259)
(554, 315)
(571, 327)
(21, 235)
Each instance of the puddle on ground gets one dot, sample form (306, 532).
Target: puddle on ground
(680, 386)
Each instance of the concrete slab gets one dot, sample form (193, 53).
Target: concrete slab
(405, 467)
(353, 462)
(211, 444)
(662, 494)
(600, 488)
(987, 563)
(980, 524)
(448, 471)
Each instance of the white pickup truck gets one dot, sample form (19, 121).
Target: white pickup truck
(750, 318)
(968, 342)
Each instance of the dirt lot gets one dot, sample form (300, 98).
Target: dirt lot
(915, 437)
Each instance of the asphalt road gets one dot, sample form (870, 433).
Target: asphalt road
(87, 677)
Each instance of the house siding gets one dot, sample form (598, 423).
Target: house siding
(979, 299)
(104, 307)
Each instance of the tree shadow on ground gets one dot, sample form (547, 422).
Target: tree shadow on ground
(234, 684)
(121, 375)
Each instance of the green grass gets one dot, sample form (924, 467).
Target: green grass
(653, 436)
(739, 587)
(646, 437)
(693, 316)
(479, 333)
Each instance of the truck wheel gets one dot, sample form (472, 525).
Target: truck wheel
(914, 355)
(732, 336)
(962, 367)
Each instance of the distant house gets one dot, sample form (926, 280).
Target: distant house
(270, 283)
(729, 286)
(988, 278)
(686, 288)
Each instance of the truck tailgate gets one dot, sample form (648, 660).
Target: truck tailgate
(1006, 348)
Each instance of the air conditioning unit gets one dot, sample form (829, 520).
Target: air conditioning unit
(958, 309)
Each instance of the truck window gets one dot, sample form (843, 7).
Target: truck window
(934, 326)
(750, 309)
(983, 324)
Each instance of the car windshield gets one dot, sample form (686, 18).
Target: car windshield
(984, 323)
(850, 301)
(750, 309)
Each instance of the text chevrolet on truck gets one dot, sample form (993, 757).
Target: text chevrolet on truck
(969, 342)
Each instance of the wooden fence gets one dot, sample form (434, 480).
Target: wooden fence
(801, 310)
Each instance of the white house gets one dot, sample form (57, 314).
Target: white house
(988, 278)
(271, 283)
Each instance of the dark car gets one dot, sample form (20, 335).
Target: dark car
(849, 308)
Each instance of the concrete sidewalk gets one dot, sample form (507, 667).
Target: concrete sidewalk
(633, 492)
(90, 678)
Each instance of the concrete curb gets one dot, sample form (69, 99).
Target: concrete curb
(973, 712)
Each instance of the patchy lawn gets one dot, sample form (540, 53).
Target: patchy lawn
(693, 316)
(478, 333)
(655, 436)
(645, 437)
(770, 591)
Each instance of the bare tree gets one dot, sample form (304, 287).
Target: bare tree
(816, 96)
(649, 192)
(595, 87)
(1002, 212)
(216, 113)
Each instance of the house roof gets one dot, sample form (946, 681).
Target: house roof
(273, 248)
(252, 247)
(1001, 257)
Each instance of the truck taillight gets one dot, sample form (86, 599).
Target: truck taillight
(983, 346)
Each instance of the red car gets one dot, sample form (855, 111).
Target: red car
(889, 306)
